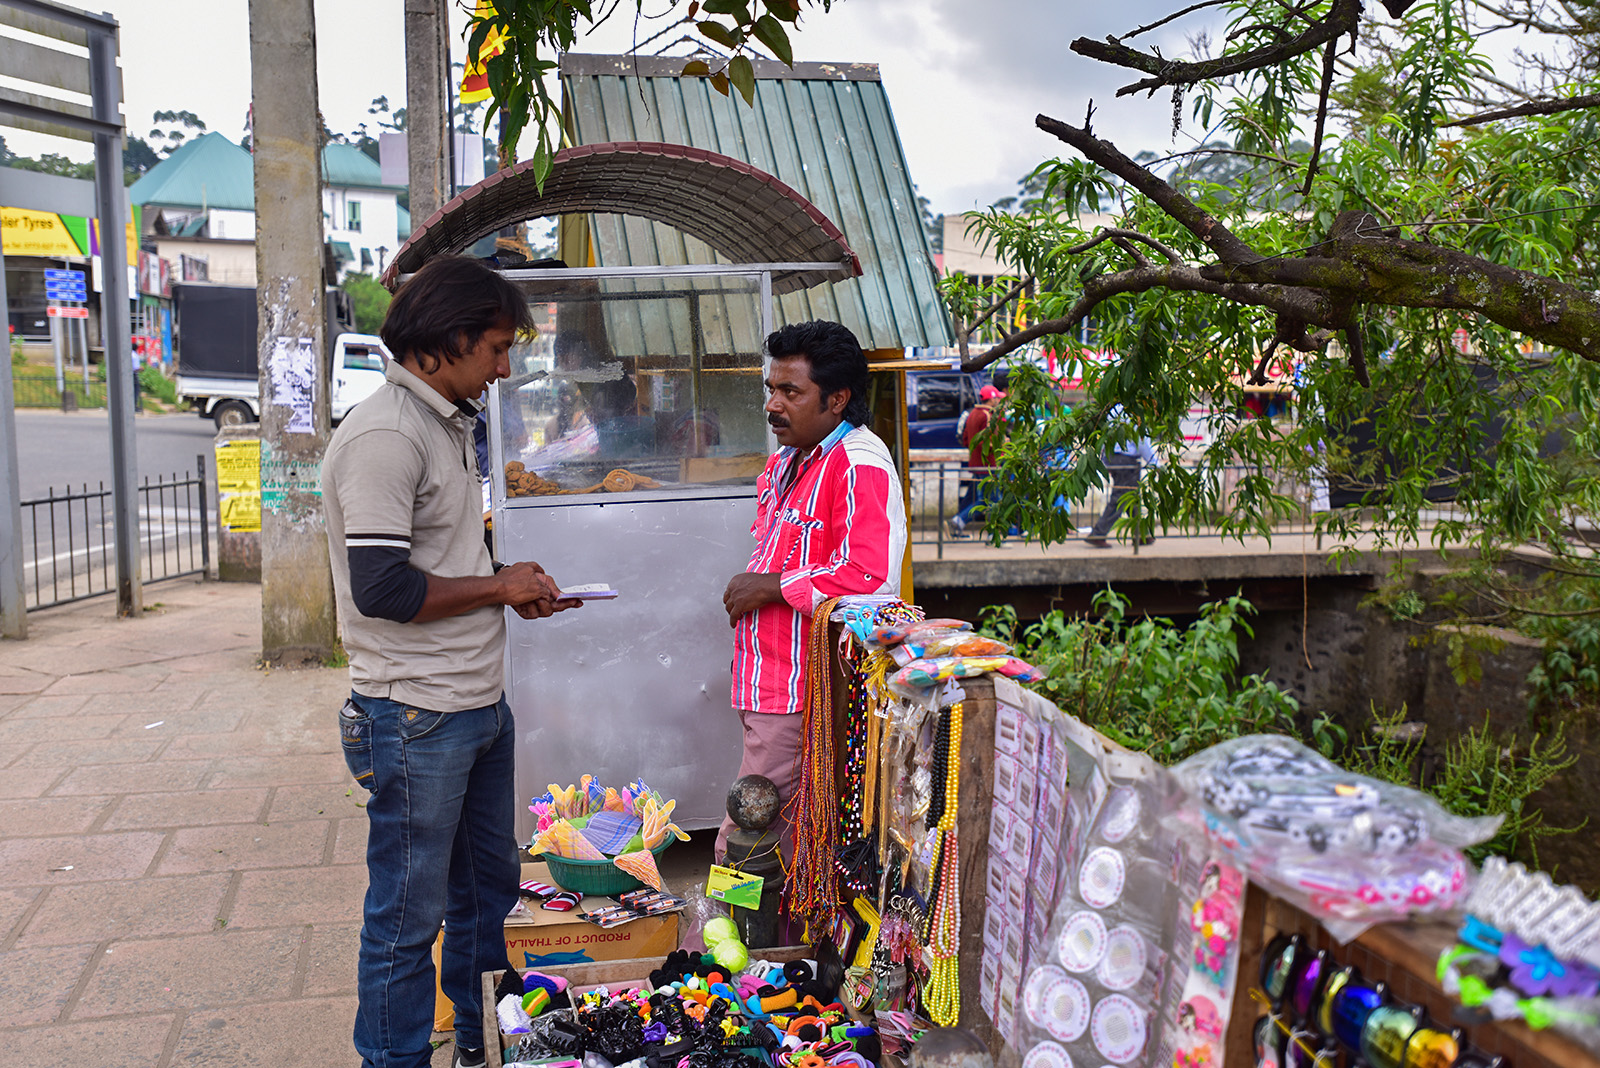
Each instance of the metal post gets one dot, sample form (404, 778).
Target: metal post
(205, 516)
(57, 346)
(112, 203)
(82, 330)
(13, 610)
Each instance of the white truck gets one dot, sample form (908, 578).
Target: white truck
(216, 355)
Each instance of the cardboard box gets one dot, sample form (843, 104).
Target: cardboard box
(582, 977)
(539, 938)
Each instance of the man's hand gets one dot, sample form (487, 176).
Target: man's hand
(750, 590)
(530, 592)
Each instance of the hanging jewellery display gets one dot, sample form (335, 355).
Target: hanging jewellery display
(942, 998)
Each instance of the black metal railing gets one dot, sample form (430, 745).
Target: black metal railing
(940, 489)
(72, 553)
(38, 389)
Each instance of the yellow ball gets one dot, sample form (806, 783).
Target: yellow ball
(719, 929)
(731, 954)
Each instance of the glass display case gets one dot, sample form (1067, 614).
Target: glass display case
(624, 449)
(634, 383)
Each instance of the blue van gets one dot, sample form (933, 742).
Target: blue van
(934, 403)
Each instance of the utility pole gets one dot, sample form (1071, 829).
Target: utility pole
(427, 107)
(298, 618)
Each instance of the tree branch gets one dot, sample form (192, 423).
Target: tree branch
(1111, 233)
(1372, 266)
(1342, 17)
(1199, 222)
(1537, 107)
(1010, 296)
(1299, 303)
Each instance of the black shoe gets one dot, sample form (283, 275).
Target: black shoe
(1097, 542)
(1147, 541)
(469, 1058)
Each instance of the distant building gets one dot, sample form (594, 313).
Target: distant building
(199, 211)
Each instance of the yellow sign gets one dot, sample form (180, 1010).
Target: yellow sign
(239, 485)
(36, 233)
(733, 887)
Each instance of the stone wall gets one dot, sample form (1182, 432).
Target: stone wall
(1345, 658)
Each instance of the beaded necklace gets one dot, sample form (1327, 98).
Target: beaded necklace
(852, 801)
(811, 891)
(942, 998)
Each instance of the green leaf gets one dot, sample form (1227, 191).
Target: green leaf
(727, 7)
(770, 32)
(719, 82)
(743, 77)
(717, 32)
(783, 10)
(696, 68)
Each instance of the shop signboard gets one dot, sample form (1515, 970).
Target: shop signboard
(56, 311)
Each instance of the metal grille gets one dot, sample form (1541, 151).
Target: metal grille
(72, 549)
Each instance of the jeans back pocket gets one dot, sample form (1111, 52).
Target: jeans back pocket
(355, 737)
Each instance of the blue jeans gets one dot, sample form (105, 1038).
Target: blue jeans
(440, 847)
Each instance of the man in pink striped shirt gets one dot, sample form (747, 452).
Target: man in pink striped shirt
(830, 520)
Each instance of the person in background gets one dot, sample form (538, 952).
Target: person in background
(422, 611)
(981, 450)
(830, 520)
(1125, 462)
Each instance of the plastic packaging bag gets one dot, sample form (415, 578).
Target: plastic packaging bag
(1350, 850)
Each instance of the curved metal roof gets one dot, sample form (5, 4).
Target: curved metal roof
(740, 211)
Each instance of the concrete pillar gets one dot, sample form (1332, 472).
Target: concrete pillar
(297, 606)
(427, 106)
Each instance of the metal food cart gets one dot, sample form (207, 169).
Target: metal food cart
(625, 447)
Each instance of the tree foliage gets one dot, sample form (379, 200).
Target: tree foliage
(1432, 289)
(724, 33)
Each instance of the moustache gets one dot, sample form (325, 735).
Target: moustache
(777, 423)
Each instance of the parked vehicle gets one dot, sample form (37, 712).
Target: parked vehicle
(934, 403)
(215, 346)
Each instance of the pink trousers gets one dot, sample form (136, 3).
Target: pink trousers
(771, 747)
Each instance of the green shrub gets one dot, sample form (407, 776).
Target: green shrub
(158, 385)
(1477, 774)
(1147, 683)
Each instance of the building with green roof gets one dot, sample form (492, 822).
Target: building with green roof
(199, 209)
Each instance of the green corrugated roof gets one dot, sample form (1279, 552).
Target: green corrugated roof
(824, 129)
(347, 165)
(210, 171)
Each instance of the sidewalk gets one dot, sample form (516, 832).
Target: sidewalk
(181, 847)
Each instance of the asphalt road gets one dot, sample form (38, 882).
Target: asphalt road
(55, 449)
(68, 545)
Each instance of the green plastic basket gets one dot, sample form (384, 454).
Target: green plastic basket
(598, 877)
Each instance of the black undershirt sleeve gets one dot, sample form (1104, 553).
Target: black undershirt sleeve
(383, 583)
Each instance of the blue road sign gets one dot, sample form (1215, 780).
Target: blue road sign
(57, 275)
(65, 292)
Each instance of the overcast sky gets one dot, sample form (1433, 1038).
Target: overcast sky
(965, 78)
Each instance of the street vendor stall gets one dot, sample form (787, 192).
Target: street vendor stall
(624, 449)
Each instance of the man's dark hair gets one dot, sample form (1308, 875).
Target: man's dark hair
(836, 359)
(447, 306)
(1001, 378)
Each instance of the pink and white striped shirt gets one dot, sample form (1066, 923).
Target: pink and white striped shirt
(839, 528)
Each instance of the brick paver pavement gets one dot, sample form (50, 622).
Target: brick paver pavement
(181, 846)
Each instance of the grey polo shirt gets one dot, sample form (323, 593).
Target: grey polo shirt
(401, 472)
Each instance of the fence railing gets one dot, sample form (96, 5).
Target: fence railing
(71, 553)
(943, 489)
(37, 389)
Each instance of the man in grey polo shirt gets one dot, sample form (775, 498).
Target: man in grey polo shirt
(427, 728)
